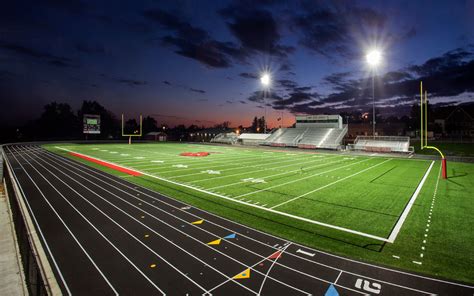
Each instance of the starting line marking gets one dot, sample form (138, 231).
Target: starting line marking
(305, 253)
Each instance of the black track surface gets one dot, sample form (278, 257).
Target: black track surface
(102, 235)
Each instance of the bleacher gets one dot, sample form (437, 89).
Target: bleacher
(311, 132)
(307, 137)
(382, 144)
(328, 138)
(225, 138)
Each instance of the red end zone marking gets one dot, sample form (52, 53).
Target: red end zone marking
(106, 164)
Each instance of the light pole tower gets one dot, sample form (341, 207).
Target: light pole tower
(265, 80)
(374, 57)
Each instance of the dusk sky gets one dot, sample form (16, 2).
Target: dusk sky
(200, 61)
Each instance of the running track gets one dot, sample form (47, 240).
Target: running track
(108, 236)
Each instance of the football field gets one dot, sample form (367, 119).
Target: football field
(352, 201)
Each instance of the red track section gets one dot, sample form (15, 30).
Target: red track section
(106, 164)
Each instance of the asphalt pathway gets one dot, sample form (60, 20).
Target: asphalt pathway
(108, 236)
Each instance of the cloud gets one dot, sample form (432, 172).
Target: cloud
(166, 82)
(249, 75)
(243, 102)
(337, 29)
(256, 29)
(37, 54)
(194, 42)
(132, 82)
(197, 90)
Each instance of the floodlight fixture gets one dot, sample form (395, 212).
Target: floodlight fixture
(265, 79)
(374, 57)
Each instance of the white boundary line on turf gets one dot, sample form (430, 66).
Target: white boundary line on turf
(393, 235)
(330, 184)
(245, 203)
(147, 191)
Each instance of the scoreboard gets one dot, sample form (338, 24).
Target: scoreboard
(91, 124)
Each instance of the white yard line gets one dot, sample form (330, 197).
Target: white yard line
(330, 184)
(245, 203)
(401, 220)
(300, 179)
(279, 174)
(265, 169)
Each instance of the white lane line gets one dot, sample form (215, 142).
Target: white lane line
(401, 220)
(146, 226)
(330, 184)
(144, 191)
(13, 173)
(335, 282)
(76, 240)
(234, 199)
(270, 269)
(182, 220)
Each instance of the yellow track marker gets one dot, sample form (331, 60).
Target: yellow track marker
(143, 217)
(147, 235)
(216, 242)
(243, 275)
(153, 266)
(197, 222)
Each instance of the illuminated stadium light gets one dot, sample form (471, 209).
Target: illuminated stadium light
(265, 79)
(374, 57)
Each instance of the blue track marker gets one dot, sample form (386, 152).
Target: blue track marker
(230, 236)
(331, 291)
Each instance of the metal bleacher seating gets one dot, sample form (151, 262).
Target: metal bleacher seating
(307, 137)
(225, 138)
(382, 144)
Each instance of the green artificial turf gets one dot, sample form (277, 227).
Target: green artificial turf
(363, 194)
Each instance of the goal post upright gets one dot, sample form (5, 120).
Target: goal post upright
(131, 135)
(424, 130)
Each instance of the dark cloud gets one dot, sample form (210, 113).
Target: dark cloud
(249, 75)
(132, 82)
(166, 82)
(336, 29)
(450, 74)
(261, 96)
(197, 90)
(243, 102)
(31, 52)
(287, 83)
(256, 30)
(195, 43)
(229, 102)
(61, 63)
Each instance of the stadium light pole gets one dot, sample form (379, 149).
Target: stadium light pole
(265, 80)
(373, 57)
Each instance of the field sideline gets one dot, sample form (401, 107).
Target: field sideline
(350, 205)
